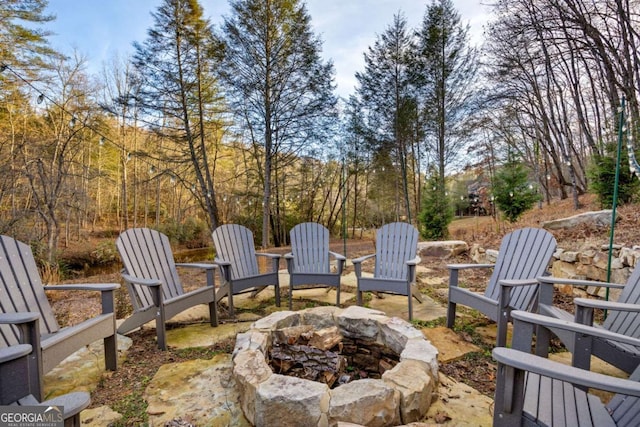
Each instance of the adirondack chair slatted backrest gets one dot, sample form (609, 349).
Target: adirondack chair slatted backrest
(523, 254)
(396, 243)
(626, 322)
(234, 244)
(22, 289)
(147, 254)
(310, 248)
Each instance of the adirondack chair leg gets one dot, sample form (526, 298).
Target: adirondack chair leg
(410, 298)
(232, 311)
(290, 297)
(213, 309)
(30, 333)
(338, 295)
(111, 352)
(451, 310)
(508, 397)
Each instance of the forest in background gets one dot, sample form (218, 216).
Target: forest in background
(240, 124)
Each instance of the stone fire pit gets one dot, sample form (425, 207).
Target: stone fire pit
(402, 395)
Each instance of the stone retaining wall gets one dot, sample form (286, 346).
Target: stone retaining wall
(588, 263)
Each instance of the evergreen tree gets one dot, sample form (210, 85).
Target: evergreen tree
(179, 92)
(444, 72)
(513, 195)
(385, 93)
(278, 86)
(436, 213)
(23, 45)
(602, 176)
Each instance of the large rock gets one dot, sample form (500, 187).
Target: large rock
(415, 386)
(443, 249)
(290, 402)
(395, 333)
(250, 370)
(202, 392)
(597, 218)
(368, 402)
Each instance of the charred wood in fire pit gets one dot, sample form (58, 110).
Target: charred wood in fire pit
(307, 362)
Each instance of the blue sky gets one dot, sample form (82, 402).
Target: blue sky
(99, 29)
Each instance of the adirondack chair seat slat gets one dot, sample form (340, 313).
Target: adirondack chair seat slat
(524, 255)
(395, 264)
(22, 293)
(154, 285)
(533, 390)
(237, 259)
(310, 261)
(623, 317)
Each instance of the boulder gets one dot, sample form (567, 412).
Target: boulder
(415, 386)
(596, 218)
(368, 402)
(444, 249)
(290, 402)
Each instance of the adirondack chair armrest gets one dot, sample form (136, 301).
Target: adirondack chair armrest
(19, 318)
(340, 261)
(414, 261)
(468, 266)
(549, 368)
(207, 267)
(275, 260)
(268, 255)
(14, 352)
(362, 258)
(514, 283)
(551, 280)
(606, 305)
(357, 263)
(73, 403)
(83, 287)
(153, 283)
(454, 270)
(200, 265)
(337, 256)
(521, 318)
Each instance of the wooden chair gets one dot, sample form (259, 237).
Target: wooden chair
(22, 291)
(623, 317)
(154, 286)
(238, 261)
(395, 263)
(17, 378)
(524, 255)
(309, 262)
(532, 390)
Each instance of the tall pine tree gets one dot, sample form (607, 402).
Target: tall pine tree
(178, 91)
(278, 85)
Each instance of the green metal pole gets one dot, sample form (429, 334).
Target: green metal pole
(615, 195)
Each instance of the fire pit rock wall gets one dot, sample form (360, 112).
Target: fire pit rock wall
(402, 395)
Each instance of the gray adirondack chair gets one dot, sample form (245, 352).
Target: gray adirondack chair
(533, 390)
(22, 291)
(623, 317)
(17, 377)
(523, 255)
(395, 264)
(238, 261)
(154, 285)
(309, 262)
